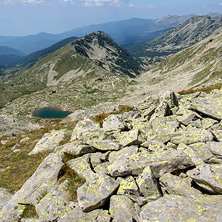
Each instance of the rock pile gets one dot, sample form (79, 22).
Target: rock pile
(160, 162)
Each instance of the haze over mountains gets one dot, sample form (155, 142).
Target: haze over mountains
(123, 32)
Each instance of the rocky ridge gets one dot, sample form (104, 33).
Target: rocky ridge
(160, 162)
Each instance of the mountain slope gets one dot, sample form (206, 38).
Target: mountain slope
(33, 57)
(180, 37)
(197, 66)
(123, 32)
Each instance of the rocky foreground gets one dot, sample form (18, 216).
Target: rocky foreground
(160, 162)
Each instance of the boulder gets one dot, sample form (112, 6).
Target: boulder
(76, 214)
(95, 192)
(46, 174)
(50, 141)
(148, 185)
(113, 122)
(129, 138)
(122, 209)
(209, 177)
(83, 127)
(103, 145)
(178, 208)
(5, 196)
(82, 167)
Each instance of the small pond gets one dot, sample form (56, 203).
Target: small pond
(50, 113)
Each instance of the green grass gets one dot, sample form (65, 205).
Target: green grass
(29, 212)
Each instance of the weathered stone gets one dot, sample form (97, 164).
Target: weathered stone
(46, 174)
(54, 205)
(218, 135)
(177, 186)
(95, 159)
(30, 220)
(148, 185)
(101, 169)
(191, 153)
(178, 208)
(171, 98)
(95, 192)
(209, 177)
(82, 167)
(203, 152)
(129, 138)
(209, 105)
(123, 153)
(76, 214)
(122, 209)
(5, 196)
(163, 162)
(187, 118)
(154, 146)
(50, 141)
(208, 122)
(215, 148)
(129, 188)
(83, 127)
(103, 145)
(192, 135)
(76, 148)
(113, 122)
(24, 140)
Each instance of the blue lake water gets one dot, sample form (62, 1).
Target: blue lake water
(50, 113)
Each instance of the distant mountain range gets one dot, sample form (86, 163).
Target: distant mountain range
(123, 32)
(178, 38)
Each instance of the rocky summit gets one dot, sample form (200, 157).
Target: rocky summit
(162, 161)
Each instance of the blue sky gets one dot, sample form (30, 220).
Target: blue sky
(24, 17)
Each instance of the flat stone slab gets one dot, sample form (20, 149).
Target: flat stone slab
(180, 208)
(113, 122)
(95, 192)
(50, 141)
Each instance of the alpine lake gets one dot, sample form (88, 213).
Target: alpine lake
(51, 113)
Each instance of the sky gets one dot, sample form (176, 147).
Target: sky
(26, 17)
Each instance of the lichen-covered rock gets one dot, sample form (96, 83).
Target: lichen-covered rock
(103, 145)
(82, 167)
(178, 208)
(95, 192)
(175, 185)
(208, 122)
(209, 105)
(54, 205)
(209, 177)
(101, 169)
(148, 185)
(46, 174)
(187, 118)
(215, 148)
(218, 135)
(50, 141)
(76, 214)
(123, 153)
(113, 122)
(122, 209)
(83, 127)
(76, 148)
(30, 220)
(5, 196)
(129, 138)
(193, 135)
(163, 162)
(129, 188)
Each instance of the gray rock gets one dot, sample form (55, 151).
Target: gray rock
(215, 148)
(5, 196)
(95, 192)
(122, 209)
(50, 141)
(77, 148)
(83, 127)
(101, 169)
(218, 135)
(76, 214)
(163, 162)
(129, 138)
(103, 145)
(46, 174)
(209, 177)
(148, 185)
(178, 208)
(113, 122)
(82, 167)
(54, 205)
(175, 185)
(193, 135)
(24, 140)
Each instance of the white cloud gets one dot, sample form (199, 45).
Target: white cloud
(220, 3)
(151, 6)
(104, 2)
(31, 2)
